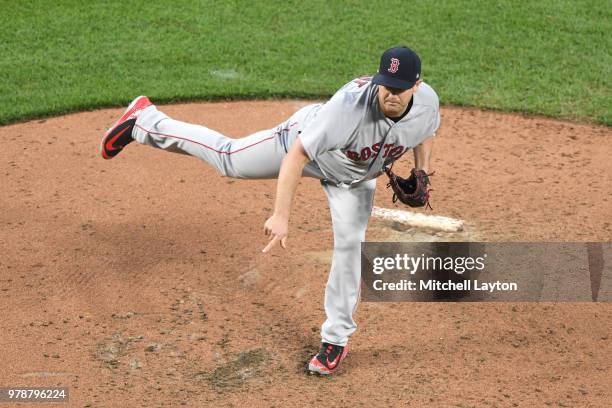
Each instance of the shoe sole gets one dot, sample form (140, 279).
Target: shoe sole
(117, 131)
(111, 132)
(314, 370)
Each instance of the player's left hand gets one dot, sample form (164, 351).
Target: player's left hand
(277, 227)
(412, 191)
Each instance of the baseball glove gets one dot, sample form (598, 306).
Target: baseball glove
(412, 191)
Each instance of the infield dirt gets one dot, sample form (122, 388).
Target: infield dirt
(140, 281)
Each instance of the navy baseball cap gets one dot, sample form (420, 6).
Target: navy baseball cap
(400, 68)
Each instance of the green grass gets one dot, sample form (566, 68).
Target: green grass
(547, 57)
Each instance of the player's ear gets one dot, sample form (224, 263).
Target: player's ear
(418, 83)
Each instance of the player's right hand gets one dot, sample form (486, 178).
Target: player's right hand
(277, 227)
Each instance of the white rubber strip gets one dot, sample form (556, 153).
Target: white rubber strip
(418, 220)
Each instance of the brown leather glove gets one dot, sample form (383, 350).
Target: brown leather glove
(412, 191)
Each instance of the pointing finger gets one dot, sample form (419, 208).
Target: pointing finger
(270, 245)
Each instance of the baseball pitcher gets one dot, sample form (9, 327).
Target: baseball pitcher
(346, 143)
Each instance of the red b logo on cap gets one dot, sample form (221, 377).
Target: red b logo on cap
(394, 65)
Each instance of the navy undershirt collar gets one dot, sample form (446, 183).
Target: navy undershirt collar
(405, 112)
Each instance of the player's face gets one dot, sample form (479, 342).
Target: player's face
(393, 102)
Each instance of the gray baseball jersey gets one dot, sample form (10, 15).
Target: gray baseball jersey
(351, 140)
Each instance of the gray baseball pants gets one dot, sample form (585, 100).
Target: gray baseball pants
(259, 156)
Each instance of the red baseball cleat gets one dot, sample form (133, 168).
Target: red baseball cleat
(327, 360)
(120, 134)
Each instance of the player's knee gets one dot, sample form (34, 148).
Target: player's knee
(348, 235)
(347, 242)
(225, 170)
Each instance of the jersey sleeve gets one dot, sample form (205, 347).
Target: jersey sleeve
(430, 98)
(332, 127)
(436, 123)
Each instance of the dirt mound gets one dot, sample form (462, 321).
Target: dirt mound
(140, 281)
